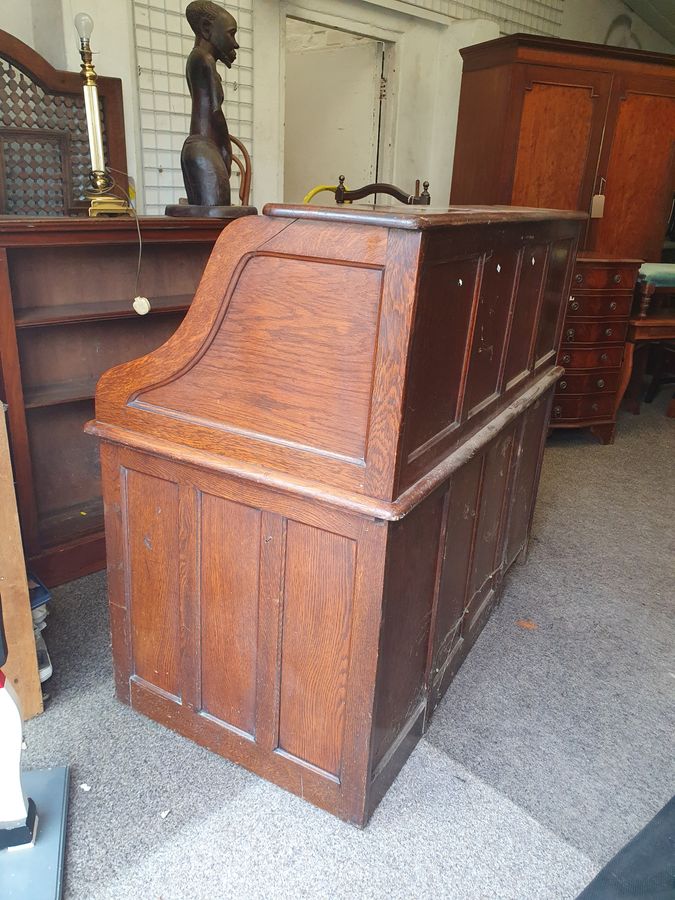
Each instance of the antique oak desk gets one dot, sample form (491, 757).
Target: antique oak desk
(314, 488)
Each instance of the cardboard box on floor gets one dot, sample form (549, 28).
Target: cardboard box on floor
(21, 667)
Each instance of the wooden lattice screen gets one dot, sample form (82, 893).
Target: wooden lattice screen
(44, 151)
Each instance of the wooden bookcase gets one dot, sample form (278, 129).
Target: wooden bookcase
(66, 316)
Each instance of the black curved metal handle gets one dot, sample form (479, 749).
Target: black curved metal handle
(380, 187)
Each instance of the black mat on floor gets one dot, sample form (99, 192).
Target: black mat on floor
(644, 868)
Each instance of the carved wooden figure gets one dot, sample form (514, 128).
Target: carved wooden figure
(206, 159)
(314, 489)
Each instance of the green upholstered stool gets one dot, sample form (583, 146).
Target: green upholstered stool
(654, 278)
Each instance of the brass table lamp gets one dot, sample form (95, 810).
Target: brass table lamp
(102, 201)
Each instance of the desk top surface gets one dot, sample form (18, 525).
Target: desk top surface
(418, 218)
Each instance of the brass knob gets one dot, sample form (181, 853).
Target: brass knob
(594, 407)
(569, 334)
(579, 278)
(603, 357)
(557, 412)
(562, 385)
(617, 278)
(574, 304)
(609, 332)
(567, 359)
(612, 305)
(600, 382)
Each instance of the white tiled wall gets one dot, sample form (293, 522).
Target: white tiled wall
(163, 41)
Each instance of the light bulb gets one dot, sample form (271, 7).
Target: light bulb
(84, 25)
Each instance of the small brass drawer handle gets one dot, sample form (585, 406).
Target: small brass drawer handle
(557, 412)
(567, 359)
(574, 304)
(600, 382)
(562, 385)
(579, 278)
(609, 332)
(569, 334)
(617, 278)
(612, 305)
(603, 357)
(594, 407)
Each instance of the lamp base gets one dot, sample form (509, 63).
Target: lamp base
(108, 205)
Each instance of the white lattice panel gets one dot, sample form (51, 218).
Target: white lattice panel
(163, 41)
(535, 16)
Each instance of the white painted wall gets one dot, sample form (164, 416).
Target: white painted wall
(16, 17)
(423, 89)
(590, 21)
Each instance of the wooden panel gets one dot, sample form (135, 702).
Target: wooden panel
(457, 557)
(292, 360)
(153, 553)
(526, 476)
(410, 582)
(95, 277)
(495, 475)
(560, 132)
(67, 481)
(640, 172)
(317, 619)
(21, 666)
(530, 283)
(483, 135)
(58, 364)
(494, 305)
(229, 567)
(437, 354)
(551, 303)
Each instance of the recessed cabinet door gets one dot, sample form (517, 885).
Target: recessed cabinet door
(561, 126)
(638, 162)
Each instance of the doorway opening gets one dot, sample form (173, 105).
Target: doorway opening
(334, 96)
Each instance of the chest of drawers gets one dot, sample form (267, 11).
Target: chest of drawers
(594, 335)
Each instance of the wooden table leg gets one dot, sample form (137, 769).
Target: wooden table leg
(626, 371)
(634, 384)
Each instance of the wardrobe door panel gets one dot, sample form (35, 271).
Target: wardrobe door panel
(561, 125)
(639, 165)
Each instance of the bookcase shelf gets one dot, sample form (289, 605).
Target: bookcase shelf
(53, 351)
(90, 311)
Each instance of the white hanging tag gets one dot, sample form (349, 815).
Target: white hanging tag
(598, 206)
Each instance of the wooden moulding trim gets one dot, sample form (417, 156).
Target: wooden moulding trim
(352, 503)
(420, 218)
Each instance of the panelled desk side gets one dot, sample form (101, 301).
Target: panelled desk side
(314, 489)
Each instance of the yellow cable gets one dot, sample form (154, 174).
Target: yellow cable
(317, 190)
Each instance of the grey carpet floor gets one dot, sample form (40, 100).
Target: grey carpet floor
(552, 748)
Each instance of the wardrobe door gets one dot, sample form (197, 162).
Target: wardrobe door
(560, 134)
(638, 163)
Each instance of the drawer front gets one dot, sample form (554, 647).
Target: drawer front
(597, 277)
(605, 332)
(597, 407)
(595, 358)
(600, 305)
(595, 383)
